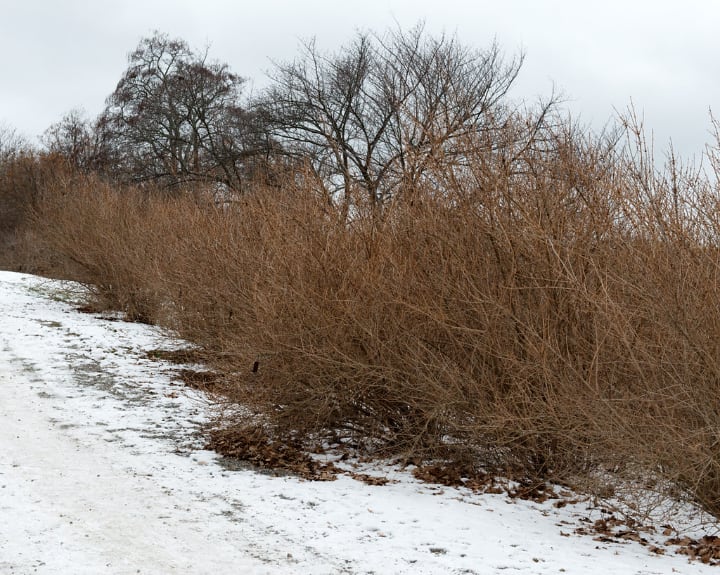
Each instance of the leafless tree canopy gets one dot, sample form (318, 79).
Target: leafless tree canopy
(374, 120)
(175, 117)
(11, 144)
(381, 115)
(76, 139)
(385, 108)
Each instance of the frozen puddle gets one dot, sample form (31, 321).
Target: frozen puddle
(102, 472)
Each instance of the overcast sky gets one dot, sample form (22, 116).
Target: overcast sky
(662, 55)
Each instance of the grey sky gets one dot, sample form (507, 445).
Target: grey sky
(663, 55)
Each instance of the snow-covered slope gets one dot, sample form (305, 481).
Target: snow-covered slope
(102, 472)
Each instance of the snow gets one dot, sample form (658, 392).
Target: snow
(103, 471)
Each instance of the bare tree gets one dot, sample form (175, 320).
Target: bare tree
(174, 117)
(383, 109)
(11, 144)
(77, 140)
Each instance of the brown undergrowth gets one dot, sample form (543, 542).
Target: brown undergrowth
(543, 314)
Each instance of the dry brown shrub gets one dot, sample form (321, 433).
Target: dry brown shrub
(111, 239)
(548, 316)
(24, 175)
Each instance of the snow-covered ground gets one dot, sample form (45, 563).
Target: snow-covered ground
(102, 471)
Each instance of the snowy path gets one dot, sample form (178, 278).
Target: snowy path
(101, 473)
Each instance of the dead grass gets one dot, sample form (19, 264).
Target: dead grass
(543, 316)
